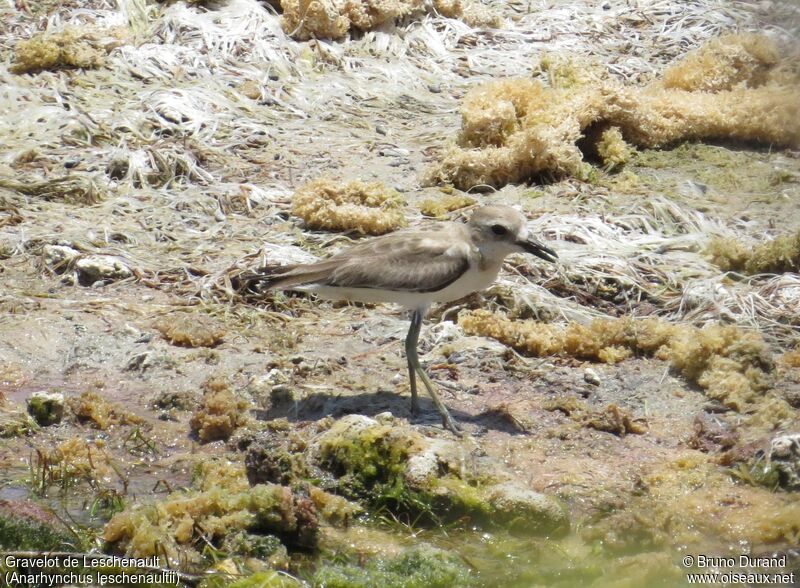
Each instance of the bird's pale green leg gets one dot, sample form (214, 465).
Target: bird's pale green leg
(415, 367)
(411, 351)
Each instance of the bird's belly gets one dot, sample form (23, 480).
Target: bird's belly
(473, 280)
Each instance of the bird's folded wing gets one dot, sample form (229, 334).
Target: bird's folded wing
(408, 262)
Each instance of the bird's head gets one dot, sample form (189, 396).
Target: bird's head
(503, 230)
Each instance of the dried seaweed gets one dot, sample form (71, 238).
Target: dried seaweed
(366, 208)
(516, 129)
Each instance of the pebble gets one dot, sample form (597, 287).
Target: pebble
(591, 377)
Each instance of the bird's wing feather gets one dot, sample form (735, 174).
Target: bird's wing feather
(410, 261)
(413, 263)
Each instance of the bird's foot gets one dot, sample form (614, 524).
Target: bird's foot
(449, 424)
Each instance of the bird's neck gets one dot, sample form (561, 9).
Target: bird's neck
(490, 258)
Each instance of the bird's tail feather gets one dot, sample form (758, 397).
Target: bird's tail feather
(283, 277)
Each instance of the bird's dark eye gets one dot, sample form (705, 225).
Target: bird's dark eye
(499, 230)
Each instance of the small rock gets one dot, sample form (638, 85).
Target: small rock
(528, 511)
(58, 257)
(276, 376)
(591, 377)
(784, 456)
(435, 88)
(281, 394)
(46, 408)
(385, 417)
(94, 268)
(423, 467)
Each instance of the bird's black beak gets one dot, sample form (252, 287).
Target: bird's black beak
(533, 247)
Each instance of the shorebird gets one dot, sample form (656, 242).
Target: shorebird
(415, 268)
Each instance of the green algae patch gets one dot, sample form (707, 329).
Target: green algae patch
(777, 256)
(368, 458)
(25, 525)
(422, 567)
(16, 424)
(221, 504)
(46, 408)
(267, 579)
(724, 170)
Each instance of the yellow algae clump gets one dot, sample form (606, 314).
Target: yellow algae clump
(728, 254)
(334, 509)
(192, 330)
(779, 255)
(72, 461)
(612, 149)
(445, 205)
(732, 365)
(613, 419)
(472, 13)
(69, 48)
(333, 19)
(92, 407)
(179, 526)
(724, 63)
(513, 130)
(603, 340)
(220, 473)
(221, 412)
(306, 19)
(791, 358)
(370, 209)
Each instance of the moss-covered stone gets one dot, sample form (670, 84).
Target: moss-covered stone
(275, 457)
(388, 464)
(46, 408)
(221, 505)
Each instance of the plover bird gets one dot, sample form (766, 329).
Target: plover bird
(415, 268)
